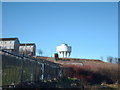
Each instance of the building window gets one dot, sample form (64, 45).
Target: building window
(4, 42)
(0, 47)
(5, 47)
(10, 42)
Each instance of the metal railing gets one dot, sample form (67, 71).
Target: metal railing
(27, 69)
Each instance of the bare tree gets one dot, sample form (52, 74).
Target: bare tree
(40, 52)
(110, 59)
(116, 60)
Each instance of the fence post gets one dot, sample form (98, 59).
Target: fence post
(21, 81)
(42, 77)
(36, 71)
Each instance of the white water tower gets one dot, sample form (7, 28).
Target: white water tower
(64, 50)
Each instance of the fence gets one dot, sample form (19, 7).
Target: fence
(17, 69)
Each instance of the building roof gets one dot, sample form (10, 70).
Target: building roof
(7, 39)
(28, 44)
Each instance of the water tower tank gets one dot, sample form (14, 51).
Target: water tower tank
(64, 50)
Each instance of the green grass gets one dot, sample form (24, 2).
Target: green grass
(11, 75)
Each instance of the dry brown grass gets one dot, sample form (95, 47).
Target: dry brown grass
(94, 72)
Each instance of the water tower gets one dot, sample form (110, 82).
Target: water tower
(64, 50)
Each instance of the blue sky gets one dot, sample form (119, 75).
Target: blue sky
(90, 28)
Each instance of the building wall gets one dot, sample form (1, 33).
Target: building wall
(11, 45)
(16, 46)
(27, 50)
(7, 44)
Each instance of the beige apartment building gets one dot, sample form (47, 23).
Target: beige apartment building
(10, 44)
(27, 49)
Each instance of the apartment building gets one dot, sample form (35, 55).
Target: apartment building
(10, 44)
(28, 49)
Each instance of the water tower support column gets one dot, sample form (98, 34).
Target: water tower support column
(63, 53)
(68, 54)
